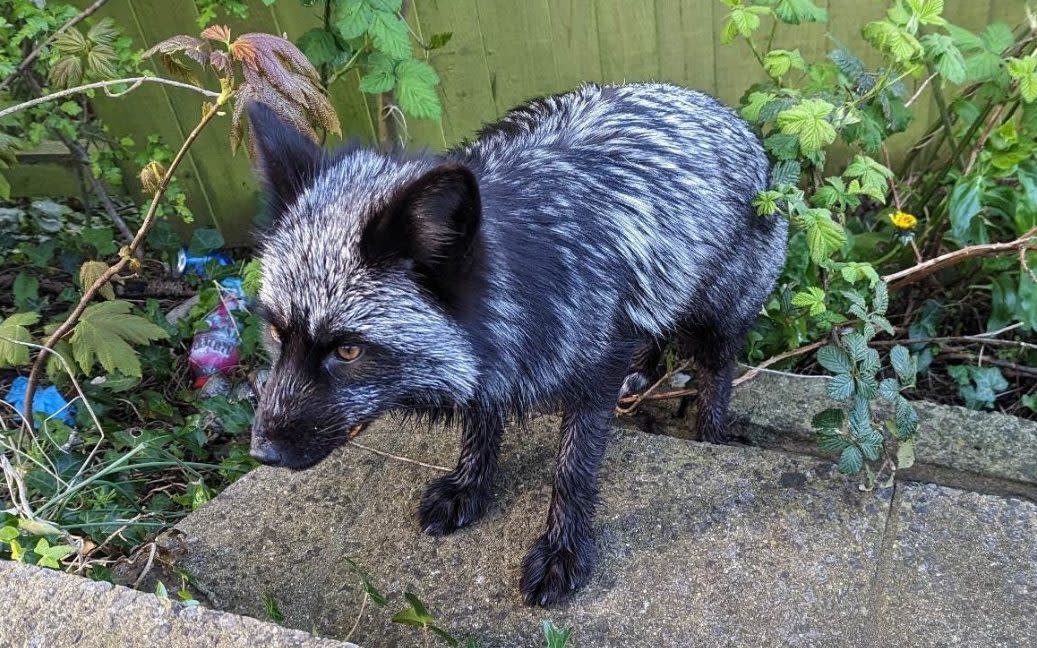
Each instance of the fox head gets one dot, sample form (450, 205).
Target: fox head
(366, 266)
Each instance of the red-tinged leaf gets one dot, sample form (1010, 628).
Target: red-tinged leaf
(217, 32)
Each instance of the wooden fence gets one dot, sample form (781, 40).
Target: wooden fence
(501, 53)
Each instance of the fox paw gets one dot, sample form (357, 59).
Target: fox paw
(449, 504)
(551, 573)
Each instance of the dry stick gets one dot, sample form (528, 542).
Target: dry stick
(135, 81)
(637, 398)
(28, 60)
(124, 259)
(916, 273)
(398, 457)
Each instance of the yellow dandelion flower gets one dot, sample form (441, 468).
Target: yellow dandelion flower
(903, 220)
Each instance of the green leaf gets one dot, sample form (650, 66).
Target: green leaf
(831, 441)
(906, 419)
(964, 205)
(808, 122)
(841, 387)
(8, 533)
(415, 615)
(101, 238)
(439, 40)
(416, 89)
(766, 202)
(392, 6)
(50, 556)
(376, 597)
(785, 172)
(105, 333)
(795, 12)
(756, 102)
(829, 419)
(13, 330)
(871, 446)
(927, 11)
(318, 44)
(874, 177)
(26, 290)
(892, 39)
(854, 271)
(556, 637)
(881, 300)
(824, 235)
(783, 147)
(381, 74)
(273, 610)
(945, 57)
(777, 63)
(834, 359)
(997, 37)
(813, 299)
(743, 21)
(90, 272)
(390, 35)
(903, 364)
(905, 454)
(889, 389)
(205, 240)
(851, 461)
(1024, 71)
(354, 18)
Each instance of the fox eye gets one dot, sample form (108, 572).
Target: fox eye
(348, 353)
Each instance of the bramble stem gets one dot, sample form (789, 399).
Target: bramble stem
(134, 81)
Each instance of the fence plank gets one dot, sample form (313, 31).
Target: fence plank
(686, 43)
(575, 38)
(628, 44)
(517, 40)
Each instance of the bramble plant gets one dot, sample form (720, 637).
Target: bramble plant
(858, 225)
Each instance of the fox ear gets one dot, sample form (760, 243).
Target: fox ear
(287, 160)
(433, 221)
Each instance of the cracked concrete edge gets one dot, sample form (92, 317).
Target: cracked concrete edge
(43, 608)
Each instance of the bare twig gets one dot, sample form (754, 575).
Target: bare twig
(975, 339)
(124, 259)
(31, 56)
(147, 566)
(137, 81)
(398, 457)
(637, 398)
(916, 273)
(360, 615)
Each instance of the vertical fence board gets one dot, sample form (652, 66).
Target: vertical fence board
(627, 42)
(461, 64)
(502, 52)
(517, 40)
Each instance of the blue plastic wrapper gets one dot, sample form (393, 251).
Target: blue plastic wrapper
(46, 401)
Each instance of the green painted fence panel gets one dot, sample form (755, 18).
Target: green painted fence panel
(502, 52)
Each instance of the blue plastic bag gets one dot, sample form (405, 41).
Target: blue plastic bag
(46, 401)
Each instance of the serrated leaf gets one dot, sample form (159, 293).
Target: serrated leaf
(416, 89)
(889, 389)
(318, 45)
(783, 147)
(105, 333)
(380, 75)
(13, 330)
(777, 63)
(26, 289)
(354, 17)
(90, 272)
(831, 441)
(824, 235)
(892, 39)
(854, 271)
(766, 202)
(871, 446)
(813, 298)
(1024, 71)
(390, 35)
(841, 387)
(851, 461)
(902, 364)
(785, 172)
(834, 359)
(997, 37)
(906, 419)
(756, 102)
(795, 12)
(829, 419)
(946, 58)
(927, 11)
(808, 121)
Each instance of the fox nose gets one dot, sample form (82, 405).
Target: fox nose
(265, 453)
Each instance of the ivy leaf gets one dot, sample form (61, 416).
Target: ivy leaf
(13, 330)
(90, 272)
(813, 299)
(49, 556)
(851, 461)
(105, 333)
(390, 35)
(808, 122)
(556, 637)
(834, 359)
(964, 205)
(416, 89)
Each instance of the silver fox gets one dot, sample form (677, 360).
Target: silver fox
(528, 269)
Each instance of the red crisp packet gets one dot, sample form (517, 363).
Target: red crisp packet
(216, 350)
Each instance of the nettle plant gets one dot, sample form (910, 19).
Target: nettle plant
(854, 218)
